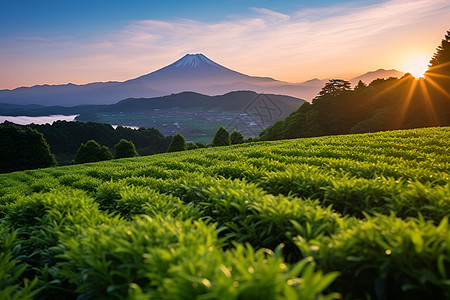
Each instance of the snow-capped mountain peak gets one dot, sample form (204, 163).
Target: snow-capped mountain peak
(193, 61)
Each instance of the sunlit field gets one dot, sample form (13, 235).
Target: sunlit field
(353, 216)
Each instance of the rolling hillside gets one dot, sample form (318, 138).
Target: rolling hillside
(194, 115)
(360, 215)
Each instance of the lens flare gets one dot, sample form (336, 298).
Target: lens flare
(417, 66)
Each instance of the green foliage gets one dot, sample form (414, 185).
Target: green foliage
(221, 138)
(124, 149)
(178, 143)
(91, 152)
(440, 62)
(273, 132)
(236, 137)
(22, 149)
(360, 216)
(65, 138)
(11, 269)
(334, 87)
(385, 255)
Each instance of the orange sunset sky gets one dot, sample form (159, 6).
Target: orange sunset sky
(57, 42)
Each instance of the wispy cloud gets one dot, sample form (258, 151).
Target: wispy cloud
(266, 43)
(271, 13)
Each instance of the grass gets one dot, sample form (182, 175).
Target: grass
(355, 216)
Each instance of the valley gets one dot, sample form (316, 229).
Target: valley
(196, 125)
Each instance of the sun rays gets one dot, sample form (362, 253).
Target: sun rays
(407, 102)
(419, 96)
(417, 66)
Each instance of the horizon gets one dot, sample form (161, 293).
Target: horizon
(196, 54)
(55, 43)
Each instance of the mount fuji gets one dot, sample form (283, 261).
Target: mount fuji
(193, 72)
(197, 73)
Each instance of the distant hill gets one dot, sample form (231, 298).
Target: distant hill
(193, 72)
(233, 101)
(195, 115)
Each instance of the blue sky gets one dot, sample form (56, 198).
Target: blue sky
(79, 17)
(83, 41)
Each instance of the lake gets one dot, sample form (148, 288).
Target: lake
(25, 120)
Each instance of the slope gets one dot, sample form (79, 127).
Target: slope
(265, 220)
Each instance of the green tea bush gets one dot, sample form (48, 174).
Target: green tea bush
(128, 201)
(361, 215)
(247, 214)
(164, 258)
(12, 286)
(40, 220)
(389, 257)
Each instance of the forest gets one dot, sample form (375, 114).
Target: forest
(64, 138)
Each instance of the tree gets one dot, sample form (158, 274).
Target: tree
(91, 152)
(178, 143)
(274, 132)
(236, 137)
(360, 86)
(335, 87)
(23, 148)
(440, 62)
(221, 138)
(124, 149)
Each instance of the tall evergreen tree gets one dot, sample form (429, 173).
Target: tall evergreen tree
(178, 143)
(360, 86)
(440, 62)
(22, 149)
(124, 149)
(222, 137)
(91, 152)
(236, 137)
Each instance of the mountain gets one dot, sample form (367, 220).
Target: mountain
(380, 73)
(193, 72)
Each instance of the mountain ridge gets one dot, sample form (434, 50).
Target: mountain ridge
(128, 104)
(192, 72)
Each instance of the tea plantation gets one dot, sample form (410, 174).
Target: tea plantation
(353, 217)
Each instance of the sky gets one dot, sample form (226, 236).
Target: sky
(57, 42)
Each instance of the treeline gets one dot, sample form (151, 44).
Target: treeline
(385, 104)
(23, 148)
(35, 146)
(65, 138)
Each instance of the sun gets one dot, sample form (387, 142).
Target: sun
(417, 66)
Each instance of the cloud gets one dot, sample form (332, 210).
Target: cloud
(271, 13)
(308, 34)
(265, 43)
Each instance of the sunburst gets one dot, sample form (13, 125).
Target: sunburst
(417, 66)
